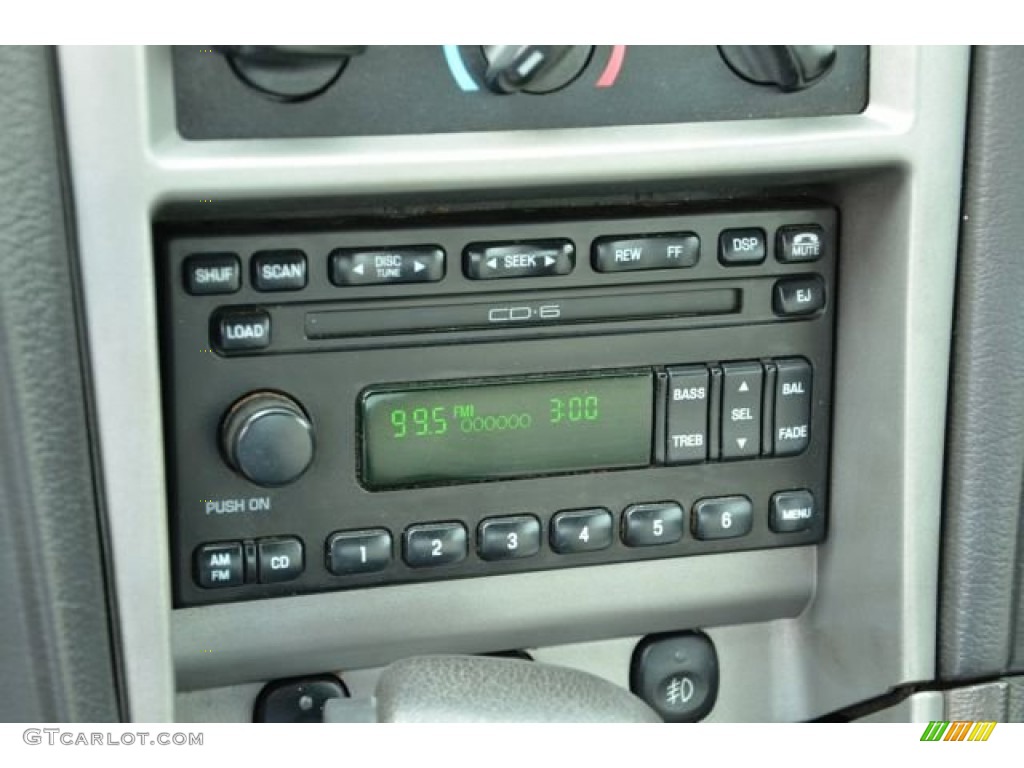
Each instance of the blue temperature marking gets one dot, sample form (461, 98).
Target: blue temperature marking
(458, 68)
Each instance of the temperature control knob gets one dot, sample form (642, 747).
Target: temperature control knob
(787, 67)
(267, 438)
(534, 68)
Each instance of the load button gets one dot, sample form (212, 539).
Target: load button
(236, 330)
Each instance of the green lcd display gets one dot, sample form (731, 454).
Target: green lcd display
(483, 431)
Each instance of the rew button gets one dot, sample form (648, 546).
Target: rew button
(613, 254)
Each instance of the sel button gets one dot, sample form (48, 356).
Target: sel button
(741, 410)
(538, 258)
(280, 560)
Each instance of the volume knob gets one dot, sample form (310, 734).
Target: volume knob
(268, 438)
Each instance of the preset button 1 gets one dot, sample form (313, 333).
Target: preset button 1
(352, 552)
(377, 266)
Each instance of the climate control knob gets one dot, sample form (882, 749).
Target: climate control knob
(786, 67)
(534, 68)
(267, 438)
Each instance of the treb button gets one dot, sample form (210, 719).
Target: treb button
(687, 422)
(384, 266)
(675, 251)
(535, 258)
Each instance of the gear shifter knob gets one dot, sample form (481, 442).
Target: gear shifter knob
(480, 689)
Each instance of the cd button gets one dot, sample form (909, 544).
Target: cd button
(538, 258)
(384, 266)
(280, 560)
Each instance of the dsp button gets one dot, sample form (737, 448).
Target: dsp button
(279, 270)
(796, 296)
(280, 559)
(687, 430)
(535, 258)
(738, 247)
(792, 431)
(741, 410)
(212, 273)
(675, 251)
(220, 565)
(384, 266)
(239, 330)
(433, 544)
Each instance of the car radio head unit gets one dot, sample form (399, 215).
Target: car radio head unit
(422, 400)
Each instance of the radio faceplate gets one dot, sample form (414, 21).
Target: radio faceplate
(731, 314)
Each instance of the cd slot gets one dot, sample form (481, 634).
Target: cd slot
(499, 313)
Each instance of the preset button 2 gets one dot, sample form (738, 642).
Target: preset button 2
(433, 544)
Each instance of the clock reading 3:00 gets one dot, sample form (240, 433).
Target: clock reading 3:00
(433, 421)
(481, 431)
